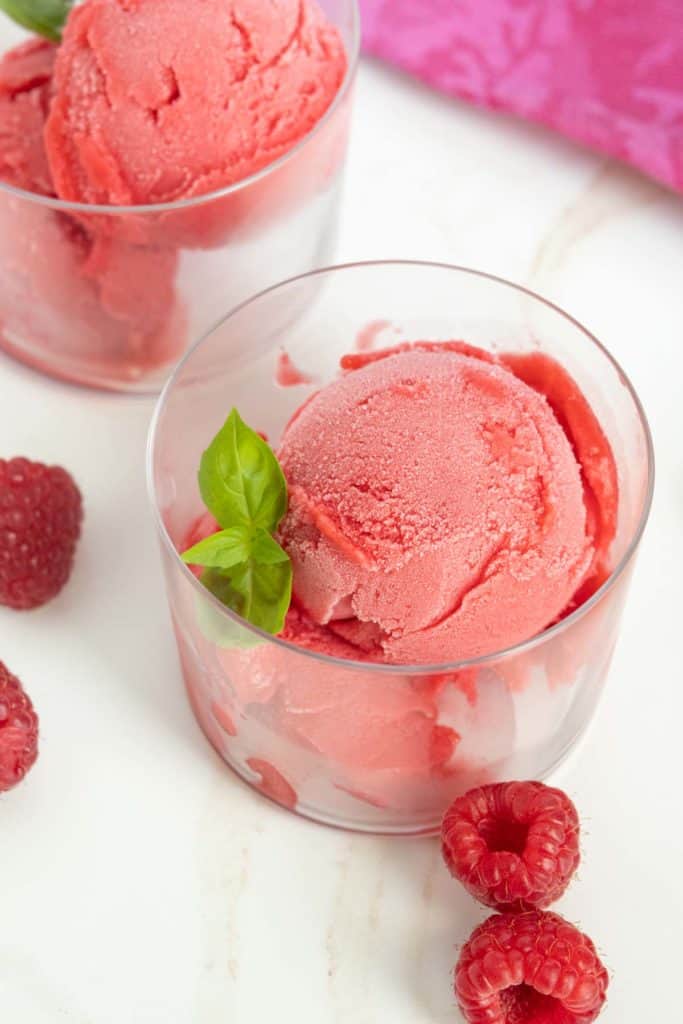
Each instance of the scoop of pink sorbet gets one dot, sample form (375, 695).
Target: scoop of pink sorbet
(106, 307)
(101, 302)
(436, 508)
(159, 100)
(25, 86)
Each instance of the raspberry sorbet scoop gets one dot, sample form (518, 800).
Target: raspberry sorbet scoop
(437, 507)
(532, 968)
(157, 100)
(25, 84)
(513, 845)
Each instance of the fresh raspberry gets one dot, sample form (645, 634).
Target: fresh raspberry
(18, 731)
(513, 845)
(40, 523)
(532, 968)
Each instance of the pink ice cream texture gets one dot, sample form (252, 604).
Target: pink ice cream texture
(158, 100)
(106, 298)
(25, 83)
(436, 509)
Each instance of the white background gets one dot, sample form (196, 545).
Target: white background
(139, 880)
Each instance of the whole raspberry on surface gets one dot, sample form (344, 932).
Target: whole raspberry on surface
(532, 968)
(513, 845)
(40, 522)
(18, 731)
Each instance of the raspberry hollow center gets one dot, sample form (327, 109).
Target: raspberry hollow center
(501, 835)
(513, 845)
(522, 1004)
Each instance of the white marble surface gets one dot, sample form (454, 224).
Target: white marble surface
(140, 881)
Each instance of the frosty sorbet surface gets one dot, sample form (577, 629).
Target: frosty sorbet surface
(438, 510)
(157, 100)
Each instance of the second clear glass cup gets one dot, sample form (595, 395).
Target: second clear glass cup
(364, 746)
(110, 296)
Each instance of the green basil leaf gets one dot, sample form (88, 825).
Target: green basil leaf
(259, 593)
(221, 550)
(244, 488)
(265, 550)
(45, 17)
(240, 479)
(217, 628)
(265, 592)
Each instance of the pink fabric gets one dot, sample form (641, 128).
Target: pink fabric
(608, 73)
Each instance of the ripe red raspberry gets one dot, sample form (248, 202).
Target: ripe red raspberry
(532, 968)
(18, 731)
(513, 845)
(40, 523)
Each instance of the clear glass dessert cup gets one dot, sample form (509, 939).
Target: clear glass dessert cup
(358, 745)
(110, 296)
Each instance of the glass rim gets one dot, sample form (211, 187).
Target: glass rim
(382, 668)
(174, 205)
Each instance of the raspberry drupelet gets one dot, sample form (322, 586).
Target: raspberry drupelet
(514, 845)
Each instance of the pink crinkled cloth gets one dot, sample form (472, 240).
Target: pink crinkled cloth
(607, 73)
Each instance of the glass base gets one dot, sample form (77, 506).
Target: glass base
(428, 828)
(147, 384)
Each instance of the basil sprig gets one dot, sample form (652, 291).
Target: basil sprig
(244, 488)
